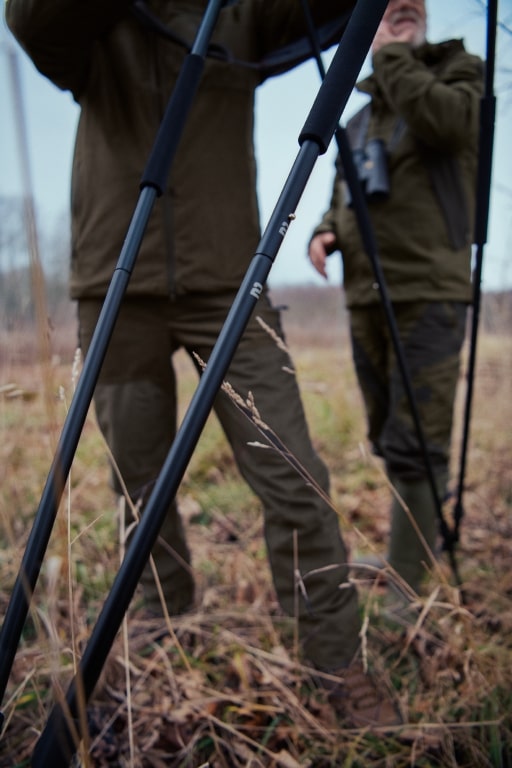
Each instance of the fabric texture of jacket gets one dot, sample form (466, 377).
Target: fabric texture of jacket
(204, 229)
(425, 107)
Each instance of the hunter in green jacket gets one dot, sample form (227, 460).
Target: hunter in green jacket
(423, 114)
(425, 103)
(121, 68)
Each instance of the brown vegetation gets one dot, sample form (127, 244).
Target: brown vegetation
(225, 686)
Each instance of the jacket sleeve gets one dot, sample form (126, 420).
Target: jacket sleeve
(441, 109)
(59, 35)
(328, 222)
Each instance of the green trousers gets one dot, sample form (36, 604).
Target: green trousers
(136, 405)
(431, 334)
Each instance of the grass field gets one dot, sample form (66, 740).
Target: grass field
(225, 687)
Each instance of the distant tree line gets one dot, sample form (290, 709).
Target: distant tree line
(310, 309)
(17, 284)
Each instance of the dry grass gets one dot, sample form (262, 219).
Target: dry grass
(225, 686)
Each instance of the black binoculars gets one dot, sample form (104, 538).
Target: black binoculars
(372, 170)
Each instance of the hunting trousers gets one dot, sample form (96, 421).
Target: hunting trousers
(136, 402)
(431, 335)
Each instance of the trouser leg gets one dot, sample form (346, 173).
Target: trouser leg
(293, 509)
(131, 417)
(135, 407)
(432, 335)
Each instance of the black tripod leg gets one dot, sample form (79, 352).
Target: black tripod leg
(57, 743)
(485, 155)
(152, 184)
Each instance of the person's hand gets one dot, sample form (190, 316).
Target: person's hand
(391, 33)
(320, 247)
(404, 21)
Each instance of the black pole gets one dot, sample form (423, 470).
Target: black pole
(152, 184)
(370, 245)
(487, 120)
(58, 743)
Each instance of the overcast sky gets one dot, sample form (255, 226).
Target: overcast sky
(282, 104)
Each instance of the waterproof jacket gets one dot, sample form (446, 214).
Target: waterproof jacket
(204, 229)
(425, 107)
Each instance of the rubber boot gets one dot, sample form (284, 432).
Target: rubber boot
(407, 553)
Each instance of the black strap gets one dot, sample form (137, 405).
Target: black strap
(276, 62)
(147, 18)
(357, 132)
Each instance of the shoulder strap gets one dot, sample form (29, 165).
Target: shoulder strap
(273, 63)
(147, 18)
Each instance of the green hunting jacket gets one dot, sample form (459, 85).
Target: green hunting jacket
(204, 229)
(425, 106)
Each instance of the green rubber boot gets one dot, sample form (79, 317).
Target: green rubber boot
(407, 553)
